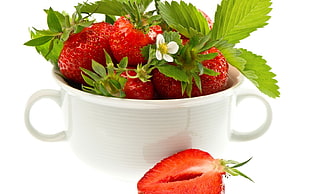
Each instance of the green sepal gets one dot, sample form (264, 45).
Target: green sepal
(232, 169)
(197, 81)
(123, 63)
(95, 77)
(39, 41)
(174, 72)
(203, 57)
(87, 79)
(105, 80)
(99, 69)
(53, 21)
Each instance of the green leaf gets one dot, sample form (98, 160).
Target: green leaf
(232, 55)
(39, 41)
(44, 49)
(108, 7)
(108, 59)
(172, 36)
(210, 72)
(110, 19)
(174, 72)
(236, 19)
(53, 21)
(232, 169)
(259, 73)
(91, 74)
(46, 33)
(202, 57)
(123, 63)
(88, 80)
(185, 18)
(197, 81)
(99, 69)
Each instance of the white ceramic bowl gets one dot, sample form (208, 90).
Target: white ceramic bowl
(126, 137)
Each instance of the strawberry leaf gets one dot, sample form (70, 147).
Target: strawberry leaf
(235, 20)
(115, 7)
(45, 49)
(174, 72)
(109, 7)
(258, 72)
(185, 18)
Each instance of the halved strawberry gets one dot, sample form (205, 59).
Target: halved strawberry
(189, 171)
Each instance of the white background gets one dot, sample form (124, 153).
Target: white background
(280, 157)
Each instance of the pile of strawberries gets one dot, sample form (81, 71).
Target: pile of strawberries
(121, 40)
(139, 77)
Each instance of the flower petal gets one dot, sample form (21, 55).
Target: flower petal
(159, 40)
(159, 56)
(168, 58)
(173, 47)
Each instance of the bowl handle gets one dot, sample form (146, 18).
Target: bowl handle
(50, 94)
(246, 136)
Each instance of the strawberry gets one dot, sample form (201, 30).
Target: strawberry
(135, 88)
(210, 22)
(83, 47)
(117, 80)
(213, 84)
(127, 41)
(189, 171)
(168, 87)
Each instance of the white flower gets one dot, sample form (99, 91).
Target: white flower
(163, 49)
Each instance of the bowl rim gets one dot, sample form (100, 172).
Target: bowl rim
(235, 80)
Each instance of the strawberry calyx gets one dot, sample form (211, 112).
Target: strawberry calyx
(106, 81)
(61, 25)
(232, 170)
(110, 80)
(185, 62)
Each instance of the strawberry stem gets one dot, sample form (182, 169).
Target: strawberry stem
(232, 169)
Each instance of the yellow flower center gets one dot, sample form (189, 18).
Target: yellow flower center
(163, 48)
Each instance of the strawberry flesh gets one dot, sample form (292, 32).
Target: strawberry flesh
(189, 171)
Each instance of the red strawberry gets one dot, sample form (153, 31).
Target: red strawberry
(83, 47)
(134, 88)
(212, 84)
(168, 87)
(127, 41)
(189, 171)
(210, 22)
